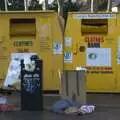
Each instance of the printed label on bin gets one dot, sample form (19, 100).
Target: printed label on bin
(94, 16)
(68, 57)
(68, 41)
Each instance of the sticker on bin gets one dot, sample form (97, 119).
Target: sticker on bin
(68, 41)
(68, 57)
(57, 48)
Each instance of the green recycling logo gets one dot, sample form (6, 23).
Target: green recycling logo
(92, 56)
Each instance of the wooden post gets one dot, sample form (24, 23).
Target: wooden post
(25, 5)
(109, 6)
(6, 8)
(92, 7)
(60, 7)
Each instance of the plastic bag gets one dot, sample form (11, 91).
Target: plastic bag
(85, 109)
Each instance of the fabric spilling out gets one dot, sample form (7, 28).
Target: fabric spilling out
(4, 106)
(70, 107)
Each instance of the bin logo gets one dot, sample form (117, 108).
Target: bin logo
(57, 48)
(68, 57)
(92, 56)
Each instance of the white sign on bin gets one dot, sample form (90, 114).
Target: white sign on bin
(68, 41)
(94, 16)
(98, 57)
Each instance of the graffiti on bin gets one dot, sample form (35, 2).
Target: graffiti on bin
(31, 82)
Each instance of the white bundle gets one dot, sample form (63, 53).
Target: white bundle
(86, 109)
(3, 100)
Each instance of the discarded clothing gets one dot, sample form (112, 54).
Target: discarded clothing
(62, 105)
(70, 107)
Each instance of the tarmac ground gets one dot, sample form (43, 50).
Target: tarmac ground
(101, 113)
(107, 108)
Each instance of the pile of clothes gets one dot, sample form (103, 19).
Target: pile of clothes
(70, 107)
(4, 106)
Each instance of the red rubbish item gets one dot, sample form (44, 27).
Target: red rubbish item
(5, 107)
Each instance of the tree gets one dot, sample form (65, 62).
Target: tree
(2, 5)
(34, 5)
(15, 5)
(63, 5)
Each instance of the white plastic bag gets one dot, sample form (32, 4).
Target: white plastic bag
(85, 109)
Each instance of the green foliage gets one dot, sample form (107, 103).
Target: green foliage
(53, 6)
(35, 5)
(16, 5)
(102, 6)
(67, 6)
(2, 6)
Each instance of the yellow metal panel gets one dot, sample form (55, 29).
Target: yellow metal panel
(93, 35)
(47, 31)
(118, 53)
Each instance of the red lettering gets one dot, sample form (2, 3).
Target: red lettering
(102, 39)
(94, 39)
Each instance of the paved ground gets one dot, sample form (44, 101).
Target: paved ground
(107, 108)
(105, 113)
(102, 100)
